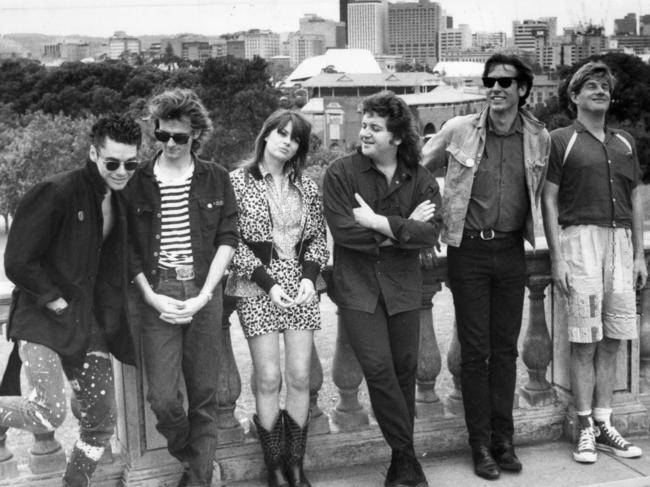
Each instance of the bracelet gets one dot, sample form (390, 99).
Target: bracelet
(209, 295)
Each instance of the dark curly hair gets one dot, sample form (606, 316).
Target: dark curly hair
(525, 75)
(300, 131)
(177, 103)
(399, 122)
(120, 128)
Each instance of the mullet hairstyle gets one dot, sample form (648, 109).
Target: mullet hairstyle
(300, 132)
(524, 73)
(179, 103)
(399, 122)
(592, 69)
(120, 128)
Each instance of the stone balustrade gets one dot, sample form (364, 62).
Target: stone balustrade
(346, 434)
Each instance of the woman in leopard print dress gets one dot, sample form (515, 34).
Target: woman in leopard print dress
(275, 275)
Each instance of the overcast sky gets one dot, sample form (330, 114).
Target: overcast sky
(213, 17)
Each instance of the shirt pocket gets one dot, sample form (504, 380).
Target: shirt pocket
(209, 212)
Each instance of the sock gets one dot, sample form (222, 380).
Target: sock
(603, 415)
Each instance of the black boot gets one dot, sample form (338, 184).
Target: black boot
(79, 469)
(273, 448)
(405, 470)
(295, 453)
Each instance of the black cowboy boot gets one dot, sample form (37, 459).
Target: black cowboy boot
(295, 452)
(272, 446)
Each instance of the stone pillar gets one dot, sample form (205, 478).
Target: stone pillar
(427, 402)
(46, 454)
(644, 340)
(348, 413)
(537, 347)
(228, 391)
(455, 397)
(8, 464)
(318, 424)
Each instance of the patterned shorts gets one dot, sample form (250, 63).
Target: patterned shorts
(602, 297)
(259, 316)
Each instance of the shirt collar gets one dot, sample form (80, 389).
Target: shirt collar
(95, 178)
(517, 126)
(402, 170)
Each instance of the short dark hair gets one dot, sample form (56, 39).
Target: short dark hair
(177, 103)
(399, 122)
(586, 71)
(120, 128)
(524, 73)
(300, 131)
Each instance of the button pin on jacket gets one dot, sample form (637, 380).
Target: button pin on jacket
(81, 216)
(470, 162)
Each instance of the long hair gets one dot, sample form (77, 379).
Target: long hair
(524, 73)
(300, 132)
(177, 103)
(399, 122)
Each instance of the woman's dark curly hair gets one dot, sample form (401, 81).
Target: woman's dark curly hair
(399, 122)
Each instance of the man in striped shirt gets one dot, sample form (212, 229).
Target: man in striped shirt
(183, 223)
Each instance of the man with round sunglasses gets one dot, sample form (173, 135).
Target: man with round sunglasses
(66, 254)
(183, 219)
(496, 161)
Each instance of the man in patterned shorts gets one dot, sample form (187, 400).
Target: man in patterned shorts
(593, 217)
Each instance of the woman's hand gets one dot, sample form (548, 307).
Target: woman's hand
(280, 298)
(306, 292)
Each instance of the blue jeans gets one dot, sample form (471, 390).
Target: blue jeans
(43, 407)
(170, 350)
(487, 281)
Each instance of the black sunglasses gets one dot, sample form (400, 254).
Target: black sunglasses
(113, 165)
(164, 137)
(504, 82)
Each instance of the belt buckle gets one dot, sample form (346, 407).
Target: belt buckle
(487, 234)
(184, 272)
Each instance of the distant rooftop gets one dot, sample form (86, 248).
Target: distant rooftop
(386, 80)
(459, 69)
(339, 60)
(441, 95)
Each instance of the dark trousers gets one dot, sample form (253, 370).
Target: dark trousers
(171, 351)
(387, 349)
(487, 280)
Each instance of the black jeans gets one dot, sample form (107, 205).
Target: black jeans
(387, 349)
(191, 351)
(487, 280)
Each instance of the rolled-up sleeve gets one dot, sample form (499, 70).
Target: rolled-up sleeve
(227, 233)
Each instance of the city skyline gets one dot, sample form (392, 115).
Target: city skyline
(215, 17)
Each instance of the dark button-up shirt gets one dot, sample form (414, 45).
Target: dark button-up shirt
(597, 178)
(213, 218)
(499, 199)
(362, 269)
(56, 249)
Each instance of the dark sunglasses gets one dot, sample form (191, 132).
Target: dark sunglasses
(164, 137)
(112, 165)
(504, 82)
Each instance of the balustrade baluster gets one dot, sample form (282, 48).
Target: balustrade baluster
(427, 402)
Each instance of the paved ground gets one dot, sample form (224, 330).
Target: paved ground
(545, 465)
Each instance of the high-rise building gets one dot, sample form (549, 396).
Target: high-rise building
(644, 25)
(121, 43)
(333, 32)
(261, 43)
(303, 46)
(413, 29)
(457, 39)
(69, 51)
(530, 35)
(368, 25)
(489, 40)
(343, 16)
(625, 26)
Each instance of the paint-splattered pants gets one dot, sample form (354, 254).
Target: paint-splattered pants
(43, 409)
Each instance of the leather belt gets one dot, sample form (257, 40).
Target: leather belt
(180, 273)
(487, 234)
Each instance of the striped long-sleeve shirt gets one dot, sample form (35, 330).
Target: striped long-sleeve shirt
(175, 242)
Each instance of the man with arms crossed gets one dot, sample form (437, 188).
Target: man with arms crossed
(593, 218)
(66, 254)
(496, 161)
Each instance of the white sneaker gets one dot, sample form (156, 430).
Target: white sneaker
(585, 450)
(610, 440)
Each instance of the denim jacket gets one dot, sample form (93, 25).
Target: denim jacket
(459, 145)
(213, 218)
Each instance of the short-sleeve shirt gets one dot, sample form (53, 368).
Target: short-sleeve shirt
(596, 179)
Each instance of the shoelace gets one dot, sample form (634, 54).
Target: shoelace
(614, 436)
(586, 439)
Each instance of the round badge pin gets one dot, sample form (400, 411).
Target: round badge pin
(81, 215)
(470, 162)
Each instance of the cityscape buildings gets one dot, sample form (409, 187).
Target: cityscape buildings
(414, 30)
